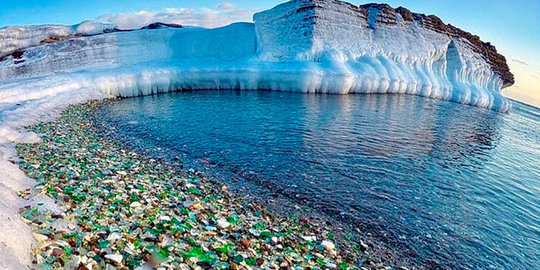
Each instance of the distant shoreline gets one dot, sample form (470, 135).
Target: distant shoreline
(524, 103)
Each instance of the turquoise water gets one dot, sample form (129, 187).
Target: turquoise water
(446, 185)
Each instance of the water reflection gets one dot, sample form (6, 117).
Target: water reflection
(447, 185)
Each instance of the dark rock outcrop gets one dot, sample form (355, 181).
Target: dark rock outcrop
(160, 25)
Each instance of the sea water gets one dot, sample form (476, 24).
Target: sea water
(448, 185)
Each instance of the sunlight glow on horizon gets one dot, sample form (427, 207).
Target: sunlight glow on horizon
(527, 79)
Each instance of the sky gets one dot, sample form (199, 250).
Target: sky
(513, 26)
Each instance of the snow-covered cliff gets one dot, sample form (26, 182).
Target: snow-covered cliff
(377, 49)
(303, 45)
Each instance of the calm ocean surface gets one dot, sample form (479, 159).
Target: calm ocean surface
(452, 186)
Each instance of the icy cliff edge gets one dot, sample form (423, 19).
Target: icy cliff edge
(375, 48)
(323, 46)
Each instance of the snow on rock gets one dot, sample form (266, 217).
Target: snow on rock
(375, 49)
(310, 46)
(323, 46)
(15, 236)
(13, 39)
(88, 28)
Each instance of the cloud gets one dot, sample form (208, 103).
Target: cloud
(222, 15)
(527, 86)
(227, 6)
(519, 64)
(519, 61)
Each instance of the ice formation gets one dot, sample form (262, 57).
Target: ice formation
(315, 46)
(321, 46)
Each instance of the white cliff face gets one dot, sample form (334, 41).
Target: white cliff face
(13, 38)
(305, 45)
(324, 46)
(367, 51)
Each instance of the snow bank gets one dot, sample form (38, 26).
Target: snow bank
(89, 28)
(22, 105)
(17, 38)
(374, 50)
(15, 236)
(319, 46)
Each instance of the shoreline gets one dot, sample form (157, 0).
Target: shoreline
(353, 232)
(81, 170)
